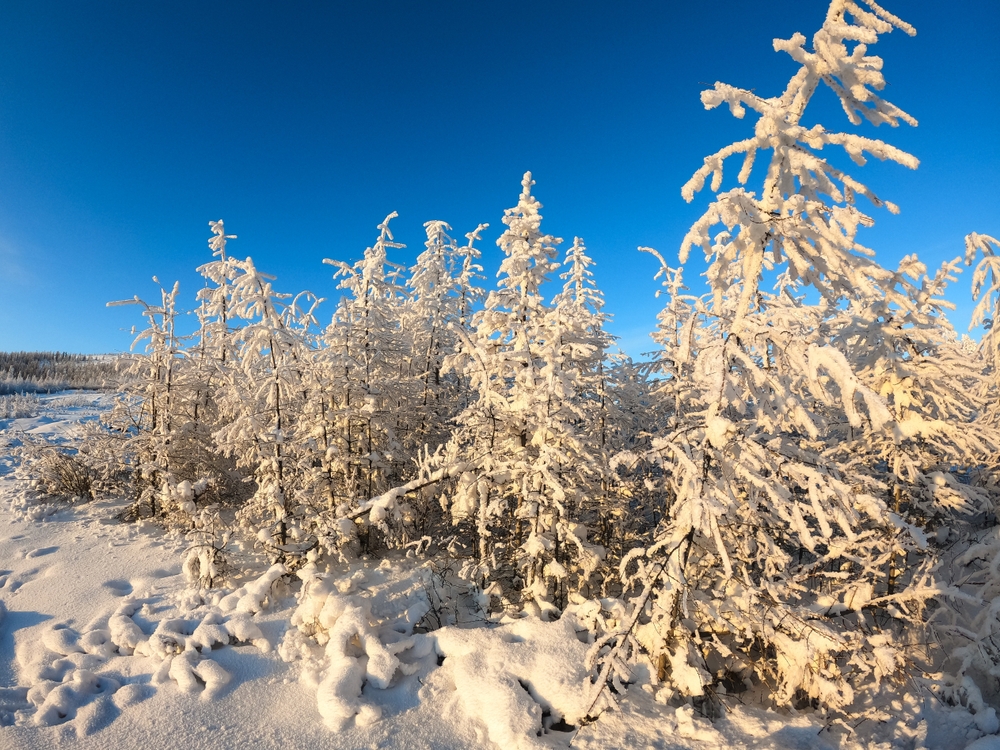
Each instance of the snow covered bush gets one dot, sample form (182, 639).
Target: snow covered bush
(526, 459)
(150, 408)
(773, 561)
(17, 406)
(54, 472)
(969, 628)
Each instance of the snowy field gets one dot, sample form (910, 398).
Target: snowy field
(103, 644)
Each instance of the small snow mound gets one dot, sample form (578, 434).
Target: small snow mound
(693, 727)
(62, 641)
(986, 720)
(125, 634)
(242, 630)
(511, 676)
(57, 703)
(991, 742)
(190, 671)
(362, 636)
(98, 643)
(213, 675)
(130, 695)
(211, 632)
(253, 597)
(356, 656)
(95, 716)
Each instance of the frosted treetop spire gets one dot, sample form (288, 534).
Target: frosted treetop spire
(852, 74)
(217, 243)
(526, 185)
(530, 254)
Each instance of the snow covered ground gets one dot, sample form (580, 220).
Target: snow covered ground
(104, 644)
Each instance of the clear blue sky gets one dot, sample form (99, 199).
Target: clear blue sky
(126, 126)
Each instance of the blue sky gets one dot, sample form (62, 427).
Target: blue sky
(126, 126)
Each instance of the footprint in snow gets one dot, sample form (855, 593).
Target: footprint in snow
(164, 573)
(13, 581)
(118, 587)
(40, 552)
(12, 700)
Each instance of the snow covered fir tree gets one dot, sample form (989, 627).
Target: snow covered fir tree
(793, 497)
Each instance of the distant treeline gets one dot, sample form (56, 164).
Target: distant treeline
(39, 372)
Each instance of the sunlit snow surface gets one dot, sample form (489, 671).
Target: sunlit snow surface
(102, 644)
